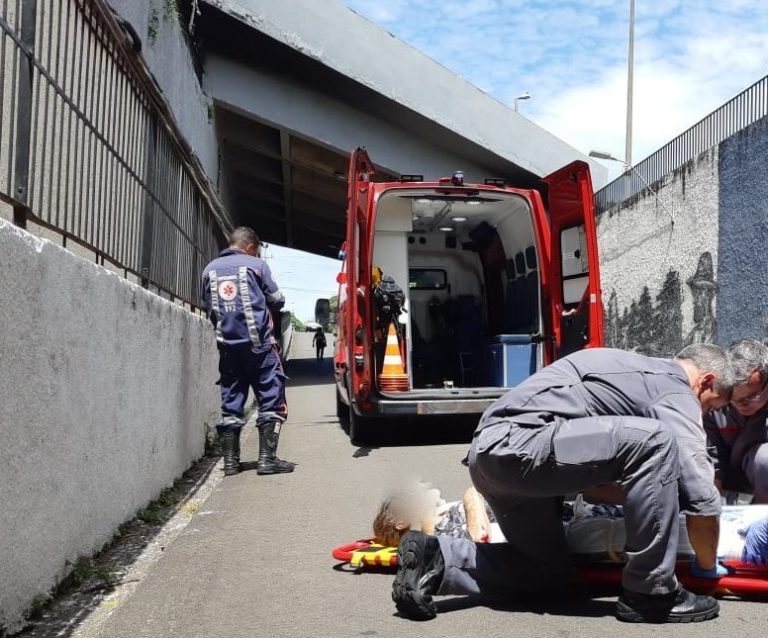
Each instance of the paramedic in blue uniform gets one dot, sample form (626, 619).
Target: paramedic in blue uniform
(596, 417)
(239, 292)
(737, 434)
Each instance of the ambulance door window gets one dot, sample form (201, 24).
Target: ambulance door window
(574, 264)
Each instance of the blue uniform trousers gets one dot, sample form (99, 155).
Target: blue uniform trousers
(241, 368)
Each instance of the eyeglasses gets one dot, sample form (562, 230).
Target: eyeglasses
(752, 398)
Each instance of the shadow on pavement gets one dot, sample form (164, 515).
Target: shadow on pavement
(575, 605)
(303, 372)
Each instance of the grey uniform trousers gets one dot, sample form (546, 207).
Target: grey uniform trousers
(523, 472)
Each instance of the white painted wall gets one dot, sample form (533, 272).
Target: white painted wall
(106, 390)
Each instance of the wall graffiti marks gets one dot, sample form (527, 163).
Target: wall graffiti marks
(655, 326)
(703, 287)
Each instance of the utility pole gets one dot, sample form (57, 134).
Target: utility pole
(630, 66)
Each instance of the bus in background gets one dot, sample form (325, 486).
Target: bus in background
(482, 282)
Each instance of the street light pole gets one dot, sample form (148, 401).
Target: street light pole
(522, 96)
(630, 67)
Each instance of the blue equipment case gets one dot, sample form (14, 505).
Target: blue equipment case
(511, 359)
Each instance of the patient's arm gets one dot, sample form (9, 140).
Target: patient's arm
(611, 493)
(478, 524)
(703, 534)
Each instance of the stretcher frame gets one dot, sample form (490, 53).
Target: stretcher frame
(746, 580)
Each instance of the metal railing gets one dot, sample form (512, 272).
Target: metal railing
(89, 148)
(746, 108)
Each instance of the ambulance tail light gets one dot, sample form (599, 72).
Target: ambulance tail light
(363, 389)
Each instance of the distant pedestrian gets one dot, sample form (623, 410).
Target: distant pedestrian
(238, 292)
(319, 342)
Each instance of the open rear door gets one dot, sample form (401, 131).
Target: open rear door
(358, 272)
(574, 269)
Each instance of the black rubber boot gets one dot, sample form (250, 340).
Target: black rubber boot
(678, 607)
(268, 463)
(420, 567)
(230, 450)
(237, 432)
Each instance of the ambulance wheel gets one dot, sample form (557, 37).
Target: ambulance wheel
(359, 428)
(342, 409)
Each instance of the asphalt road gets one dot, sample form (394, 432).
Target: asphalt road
(255, 559)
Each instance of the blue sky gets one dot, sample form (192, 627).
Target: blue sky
(691, 56)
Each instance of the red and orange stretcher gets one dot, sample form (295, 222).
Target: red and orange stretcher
(746, 581)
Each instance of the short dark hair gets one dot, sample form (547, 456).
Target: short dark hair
(242, 236)
(748, 356)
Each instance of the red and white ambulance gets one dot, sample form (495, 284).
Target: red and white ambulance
(496, 282)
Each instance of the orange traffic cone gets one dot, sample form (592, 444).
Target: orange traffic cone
(393, 377)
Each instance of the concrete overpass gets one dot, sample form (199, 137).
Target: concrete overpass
(297, 86)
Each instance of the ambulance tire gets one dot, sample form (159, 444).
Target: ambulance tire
(342, 409)
(359, 428)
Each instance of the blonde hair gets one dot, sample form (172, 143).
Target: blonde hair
(387, 526)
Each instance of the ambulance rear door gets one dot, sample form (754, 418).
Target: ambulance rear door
(573, 268)
(358, 274)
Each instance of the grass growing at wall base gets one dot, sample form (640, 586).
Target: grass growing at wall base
(100, 574)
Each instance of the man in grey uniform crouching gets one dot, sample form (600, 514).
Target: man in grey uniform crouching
(596, 417)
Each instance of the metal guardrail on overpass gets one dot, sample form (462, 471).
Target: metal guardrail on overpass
(746, 108)
(89, 148)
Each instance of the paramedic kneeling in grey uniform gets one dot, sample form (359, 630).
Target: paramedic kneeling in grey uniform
(595, 417)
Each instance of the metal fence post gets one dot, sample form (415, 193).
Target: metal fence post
(148, 221)
(22, 143)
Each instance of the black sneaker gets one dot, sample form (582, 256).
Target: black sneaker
(679, 606)
(420, 567)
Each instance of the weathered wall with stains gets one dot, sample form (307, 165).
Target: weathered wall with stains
(688, 264)
(107, 390)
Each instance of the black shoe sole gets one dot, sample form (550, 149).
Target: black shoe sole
(274, 471)
(409, 601)
(625, 613)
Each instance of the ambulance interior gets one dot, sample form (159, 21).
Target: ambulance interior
(470, 271)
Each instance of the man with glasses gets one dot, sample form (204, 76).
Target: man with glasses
(737, 432)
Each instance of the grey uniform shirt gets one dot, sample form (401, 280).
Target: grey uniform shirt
(607, 382)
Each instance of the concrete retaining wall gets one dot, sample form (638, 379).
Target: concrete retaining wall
(106, 389)
(701, 278)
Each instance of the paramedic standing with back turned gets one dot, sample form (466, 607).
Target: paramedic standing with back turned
(595, 417)
(238, 292)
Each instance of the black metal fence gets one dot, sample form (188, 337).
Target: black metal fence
(745, 109)
(89, 148)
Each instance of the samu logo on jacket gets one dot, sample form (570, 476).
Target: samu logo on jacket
(227, 290)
